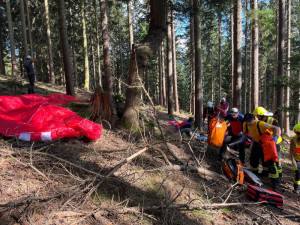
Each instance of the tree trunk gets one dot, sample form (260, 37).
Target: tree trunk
(65, 47)
(121, 71)
(286, 122)
(94, 64)
(254, 61)
(2, 64)
(246, 59)
(86, 58)
(170, 93)
(130, 24)
(29, 26)
(174, 64)
(220, 54)
(192, 47)
(98, 46)
(12, 41)
(163, 74)
(212, 59)
(160, 81)
(280, 59)
(298, 114)
(108, 83)
(140, 57)
(23, 25)
(198, 66)
(237, 85)
(232, 50)
(52, 76)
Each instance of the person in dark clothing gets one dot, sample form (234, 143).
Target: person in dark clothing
(224, 105)
(30, 72)
(210, 112)
(186, 126)
(236, 121)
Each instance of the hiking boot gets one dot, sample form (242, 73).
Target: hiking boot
(264, 174)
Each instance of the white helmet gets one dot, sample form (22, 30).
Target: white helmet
(209, 104)
(29, 57)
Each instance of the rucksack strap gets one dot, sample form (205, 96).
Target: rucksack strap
(258, 128)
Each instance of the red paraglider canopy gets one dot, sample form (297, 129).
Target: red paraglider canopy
(38, 118)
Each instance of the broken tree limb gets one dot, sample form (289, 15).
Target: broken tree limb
(183, 206)
(163, 155)
(199, 170)
(126, 161)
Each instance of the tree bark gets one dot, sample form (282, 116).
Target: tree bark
(286, 122)
(174, 64)
(163, 74)
(2, 64)
(198, 65)
(212, 59)
(98, 46)
(280, 60)
(254, 61)
(12, 41)
(140, 57)
(29, 27)
(220, 54)
(65, 47)
(246, 59)
(192, 61)
(130, 24)
(23, 25)
(86, 59)
(170, 93)
(232, 8)
(237, 84)
(108, 83)
(52, 75)
(160, 81)
(94, 64)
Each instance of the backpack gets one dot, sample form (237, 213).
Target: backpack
(233, 169)
(264, 195)
(217, 129)
(269, 147)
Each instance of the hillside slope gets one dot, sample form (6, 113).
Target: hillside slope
(69, 181)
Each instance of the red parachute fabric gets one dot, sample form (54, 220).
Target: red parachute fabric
(38, 118)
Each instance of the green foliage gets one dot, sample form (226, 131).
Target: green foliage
(119, 98)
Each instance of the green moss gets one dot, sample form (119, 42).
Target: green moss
(203, 214)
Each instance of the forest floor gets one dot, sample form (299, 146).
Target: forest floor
(68, 181)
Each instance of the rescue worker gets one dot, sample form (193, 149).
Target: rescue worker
(256, 128)
(210, 112)
(224, 107)
(265, 116)
(295, 157)
(235, 130)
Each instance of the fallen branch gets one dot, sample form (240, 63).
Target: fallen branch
(184, 206)
(201, 171)
(163, 155)
(57, 158)
(24, 200)
(126, 161)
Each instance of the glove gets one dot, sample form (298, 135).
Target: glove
(275, 138)
(240, 134)
(34, 53)
(203, 124)
(242, 140)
